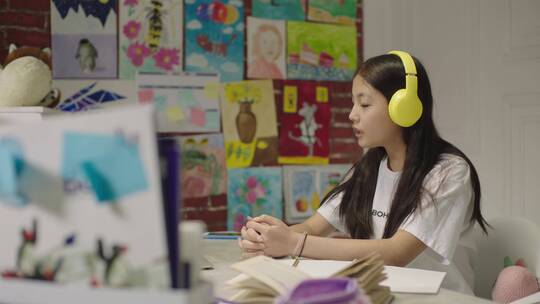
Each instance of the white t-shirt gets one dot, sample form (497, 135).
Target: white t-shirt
(443, 226)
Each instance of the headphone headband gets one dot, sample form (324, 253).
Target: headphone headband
(408, 61)
(411, 80)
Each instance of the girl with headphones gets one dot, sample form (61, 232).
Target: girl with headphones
(413, 197)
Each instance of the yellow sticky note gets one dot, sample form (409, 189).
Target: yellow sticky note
(211, 90)
(290, 99)
(322, 94)
(175, 113)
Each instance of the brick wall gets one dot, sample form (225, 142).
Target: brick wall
(26, 22)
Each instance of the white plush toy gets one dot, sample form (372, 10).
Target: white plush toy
(26, 79)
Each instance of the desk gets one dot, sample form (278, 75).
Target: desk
(223, 253)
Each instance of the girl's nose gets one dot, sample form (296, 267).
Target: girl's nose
(353, 115)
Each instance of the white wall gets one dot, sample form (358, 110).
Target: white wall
(483, 58)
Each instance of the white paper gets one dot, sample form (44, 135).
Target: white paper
(400, 279)
(412, 280)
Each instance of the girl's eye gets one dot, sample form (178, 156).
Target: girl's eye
(364, 105)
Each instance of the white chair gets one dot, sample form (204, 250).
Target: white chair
(513, 237)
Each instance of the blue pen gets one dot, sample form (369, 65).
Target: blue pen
(221, 237)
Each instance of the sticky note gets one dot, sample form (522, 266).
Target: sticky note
(322, 94)
(78, 147)
(175, 113)
(160, 102)
(115, 174)
(12, 166)
(187, 99)
(110, 165)
(198, 117)
(290, 99)
(212, 119)
(146, 95)
(211, 90)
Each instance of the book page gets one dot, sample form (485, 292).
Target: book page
(317, 268)
(278, 276)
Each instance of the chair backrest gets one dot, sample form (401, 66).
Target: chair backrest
(513, 237)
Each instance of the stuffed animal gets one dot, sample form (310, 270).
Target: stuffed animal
(514, 282)
(26, 79)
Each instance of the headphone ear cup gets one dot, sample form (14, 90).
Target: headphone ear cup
(404, 110)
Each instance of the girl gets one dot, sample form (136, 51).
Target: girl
(413, 197)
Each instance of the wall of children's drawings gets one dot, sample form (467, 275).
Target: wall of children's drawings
(247, 89)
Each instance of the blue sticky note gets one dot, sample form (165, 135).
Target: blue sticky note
(160, 102)
(79, 147)
(187, 99)
(12, 166)
(212, 119)
(114, 168)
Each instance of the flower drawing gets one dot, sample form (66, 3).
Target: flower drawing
(167, 58)
(132, 29)
(137, 52)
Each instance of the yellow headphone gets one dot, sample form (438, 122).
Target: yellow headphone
(405, 108)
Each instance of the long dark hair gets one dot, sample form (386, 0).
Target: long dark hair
(424, 149)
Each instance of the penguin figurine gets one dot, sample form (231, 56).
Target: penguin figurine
(117, 268)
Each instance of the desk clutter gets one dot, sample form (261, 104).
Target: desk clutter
(89, 202)
(73, 194)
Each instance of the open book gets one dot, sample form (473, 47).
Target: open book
(263, 278)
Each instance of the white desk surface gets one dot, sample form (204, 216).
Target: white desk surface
(222, 253)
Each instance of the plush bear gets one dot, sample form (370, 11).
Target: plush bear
(26, 79)
(514, 282)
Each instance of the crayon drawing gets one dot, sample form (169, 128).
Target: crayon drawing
(252, 192)
(279, 9)
(84, 38)
(215, 38)
(340, 12)
(151, 36)
(203, 170)
(304, 117)
(249, 123)
(266, 48)
(312, 55)
(306, 186)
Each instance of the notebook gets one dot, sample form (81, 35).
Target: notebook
(263, 278)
